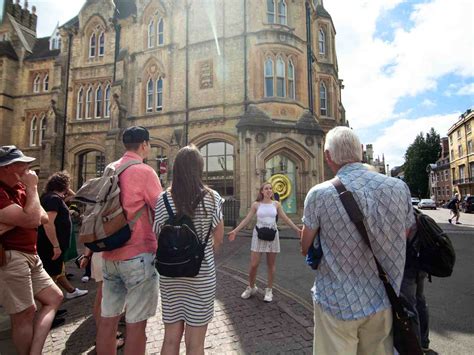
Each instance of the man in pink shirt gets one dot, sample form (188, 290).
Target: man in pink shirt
(130, 278)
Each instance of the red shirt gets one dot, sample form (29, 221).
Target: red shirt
(19, 238)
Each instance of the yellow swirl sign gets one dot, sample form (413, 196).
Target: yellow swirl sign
(282, 185)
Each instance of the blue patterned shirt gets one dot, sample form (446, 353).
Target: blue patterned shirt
(347, 285)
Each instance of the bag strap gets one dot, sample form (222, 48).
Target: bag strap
(357, 217)
(126, 165)
(168, 206)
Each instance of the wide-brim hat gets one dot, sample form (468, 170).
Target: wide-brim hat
(10, 154)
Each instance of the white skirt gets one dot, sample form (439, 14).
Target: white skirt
(265, 246)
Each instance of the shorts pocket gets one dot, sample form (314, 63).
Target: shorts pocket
(133, 271)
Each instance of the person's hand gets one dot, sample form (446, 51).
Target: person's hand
(232, 236)
(57, 253)
(29, 178)
(5, 228)
(84, 262)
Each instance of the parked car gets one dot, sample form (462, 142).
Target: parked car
(467, 204)
(415, 201)
(427, 203)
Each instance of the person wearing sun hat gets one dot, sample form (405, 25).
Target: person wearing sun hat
(23, 281)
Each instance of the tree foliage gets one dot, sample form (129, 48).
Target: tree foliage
(423, 151)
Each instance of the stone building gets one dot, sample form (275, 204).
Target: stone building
(368, 158)
(254, 84)
(440, 183)
(462, 154)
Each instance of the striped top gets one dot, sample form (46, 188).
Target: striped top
(191, 299)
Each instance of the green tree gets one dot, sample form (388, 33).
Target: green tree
(423, 151)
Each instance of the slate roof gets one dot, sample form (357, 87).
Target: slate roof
(41, 50)
(321, 11)
(125, 8)
(6, 49)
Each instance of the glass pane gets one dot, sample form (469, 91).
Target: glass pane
(229, 149)
(216, 148)
(269, 87)
(269, 68)
(280, 67)
(280, 87)
(213, 164)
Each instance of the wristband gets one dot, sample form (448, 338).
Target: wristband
(56, 247)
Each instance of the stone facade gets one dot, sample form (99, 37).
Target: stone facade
(243, 80)
(440, 183)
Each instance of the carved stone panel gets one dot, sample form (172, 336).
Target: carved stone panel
(206, 76)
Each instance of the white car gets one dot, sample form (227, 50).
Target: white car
(427, 203)
(415, 201)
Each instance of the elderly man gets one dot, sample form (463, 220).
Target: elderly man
(22, 277)
(352, 313)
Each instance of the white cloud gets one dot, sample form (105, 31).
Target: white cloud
(50, 12)
(428, 103)
(418, 57)
(467, 90)
(396, 138)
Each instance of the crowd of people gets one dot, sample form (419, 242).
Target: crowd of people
(352, 313)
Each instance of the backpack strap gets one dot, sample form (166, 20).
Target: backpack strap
(126, 165)
(168, 206)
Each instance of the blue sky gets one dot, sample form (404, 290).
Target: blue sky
(407, 65)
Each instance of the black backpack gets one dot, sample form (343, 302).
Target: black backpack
(180, 251)
(452, 204)
(432, 250)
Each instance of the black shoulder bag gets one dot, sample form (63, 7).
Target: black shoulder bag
(404, 336)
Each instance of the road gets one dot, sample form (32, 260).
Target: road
(450, 300)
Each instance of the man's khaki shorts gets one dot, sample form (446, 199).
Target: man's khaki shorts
(21, 279)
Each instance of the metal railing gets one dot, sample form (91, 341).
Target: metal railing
(230, 210)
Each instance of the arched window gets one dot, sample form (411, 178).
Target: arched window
(149, 95)
(46, 83)
(282, 12)
(151, 33)
(91, 164)
(92, 45)
(80, 103)
(159, 94)
(36, 83)
(323, 101)
(322, 41)
(98, 102)
(107, 101)
(160, 30)
(268, 77)
(271, 11)
(280, 74)
(89, 107)
(101, 44)
(218, 171)
(291, 80)
(42, 128)
(33, 131)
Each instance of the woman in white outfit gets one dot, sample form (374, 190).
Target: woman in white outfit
(266, 210)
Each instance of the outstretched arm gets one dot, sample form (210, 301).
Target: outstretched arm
(232, 234)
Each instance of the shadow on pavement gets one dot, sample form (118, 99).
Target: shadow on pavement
(82, 339)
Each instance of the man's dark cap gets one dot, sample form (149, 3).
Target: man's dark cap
(10, 154)
(135, 134)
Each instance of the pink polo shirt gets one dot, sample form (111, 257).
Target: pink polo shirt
(139, 186)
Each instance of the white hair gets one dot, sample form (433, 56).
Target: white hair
(343, 145)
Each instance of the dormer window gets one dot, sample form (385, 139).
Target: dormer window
(101, 44)
(160, 32)
(92, 45)
(322, 41)
(156, 31)
(46, 83)
(42, 129)
(33, 131)
(277, 12)
(36, 83)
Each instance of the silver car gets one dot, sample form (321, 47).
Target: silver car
(427, 203)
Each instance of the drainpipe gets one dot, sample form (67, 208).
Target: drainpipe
(118, 29)
(186, 125)
(68, 65)
(246, 96)
(309, 57)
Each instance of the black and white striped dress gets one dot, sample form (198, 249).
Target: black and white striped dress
(191, 299)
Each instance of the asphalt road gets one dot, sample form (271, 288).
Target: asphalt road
(450, 300)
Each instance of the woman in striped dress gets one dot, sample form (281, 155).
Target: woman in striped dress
(188, 302)
(266, 210)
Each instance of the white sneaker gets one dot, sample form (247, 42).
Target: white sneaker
(268, 295)
(76, 293)
(249, 291)
(85, 279)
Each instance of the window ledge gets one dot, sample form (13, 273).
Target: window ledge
(89, 120)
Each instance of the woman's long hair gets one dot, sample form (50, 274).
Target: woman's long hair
(187, 187)
(260, 192)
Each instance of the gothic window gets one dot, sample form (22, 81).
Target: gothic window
(102, 44)
(33, 131)
(46, 83)
(91, 164)
(42, 127)
(280, 77)
(98, 102)
(151, 33)
(92, 45)
(159, 94)
(282, 12)
(107, 101)
(149, 95)
(322, 41)
(291, 80)
(218, 171)
(271, 11)
(36, 83)
(268, 77)
(323, 101)
(160, 32)
(80, 103)
(89, 102)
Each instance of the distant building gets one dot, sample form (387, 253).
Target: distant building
(439, 175)
(462, 154)
(368, 157)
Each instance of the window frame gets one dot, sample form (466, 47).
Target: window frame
(322, 41)
(93, 45)
(107, 101)
(322, 99)
(33, 131)
(42, 129)
(271, 12)
(280, 65)
(36, 84)
(160, 32)
(159, 94)
(80, 103)
(291, 80)
(89, 104)
(46, 82)
(151, 33)
(101, 51)
(149, 95)
(269, 77)
(285, 14)
(98, 102)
